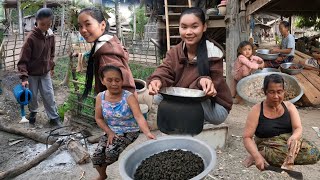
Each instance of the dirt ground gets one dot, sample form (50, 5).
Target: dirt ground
(60, 165)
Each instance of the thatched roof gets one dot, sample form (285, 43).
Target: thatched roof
(50, 3)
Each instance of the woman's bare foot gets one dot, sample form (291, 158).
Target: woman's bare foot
(248, 161)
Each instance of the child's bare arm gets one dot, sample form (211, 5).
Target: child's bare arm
(245, 61)
(134, 106)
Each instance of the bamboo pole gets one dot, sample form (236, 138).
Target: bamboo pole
(14, 48)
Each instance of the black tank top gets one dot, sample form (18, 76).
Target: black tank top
(273, 127)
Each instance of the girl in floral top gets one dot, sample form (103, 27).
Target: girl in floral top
(118, 114)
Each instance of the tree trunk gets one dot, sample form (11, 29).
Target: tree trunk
(78, 152)
(16, 171)
(118, 24)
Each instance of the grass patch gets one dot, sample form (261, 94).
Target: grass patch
(60, 69)
(140, 71)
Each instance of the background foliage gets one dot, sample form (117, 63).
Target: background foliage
(312, 21)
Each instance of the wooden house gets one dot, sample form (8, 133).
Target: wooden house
(309, 80)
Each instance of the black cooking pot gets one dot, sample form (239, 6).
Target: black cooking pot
(180, 111)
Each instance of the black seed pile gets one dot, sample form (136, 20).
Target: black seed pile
(171, 164)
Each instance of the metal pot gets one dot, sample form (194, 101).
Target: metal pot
(180, 111)
(285, 67)
(243, 86)
(265, 54)
(133, 158)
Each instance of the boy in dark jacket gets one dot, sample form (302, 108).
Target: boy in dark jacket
(36, 66)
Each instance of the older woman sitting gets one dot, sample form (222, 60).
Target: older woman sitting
(277, 128)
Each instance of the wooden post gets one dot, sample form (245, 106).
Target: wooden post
(78, 153)
(134, 21)
(232, 37)
(167, 24)
(20, 17)
(117, 14)
(10, 21)
(14, 51)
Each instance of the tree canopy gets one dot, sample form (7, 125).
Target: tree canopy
(308, 22)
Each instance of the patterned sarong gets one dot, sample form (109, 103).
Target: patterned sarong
(104, 155)
(276, 150)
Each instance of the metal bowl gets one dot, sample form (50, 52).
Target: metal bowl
(250, 86)
(182, 92)
(265, 70)
(265, 54)
(133, 158)
(285, 68)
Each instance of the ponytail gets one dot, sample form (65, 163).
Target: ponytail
(89, 73)
(202, 57)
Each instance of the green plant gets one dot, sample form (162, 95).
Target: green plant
(30, 7)
(310, 21)
(63, 108)
(141, 72)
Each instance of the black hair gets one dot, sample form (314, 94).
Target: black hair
(97, 15)
(202, 52)
(44, 13)
(107, 68)
(272, 78)
(243, 44)
(94, 12)
(286, 24)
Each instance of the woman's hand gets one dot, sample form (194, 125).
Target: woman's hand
(292, 138)
(261, 66)
(279, 59)
(111, 136)
(208, 87)
(150, 136)
(260, 162)
(154, 86)
(274, 50)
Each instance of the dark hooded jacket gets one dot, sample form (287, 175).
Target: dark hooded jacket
(177, 71)
(109, 51)
(37, 54)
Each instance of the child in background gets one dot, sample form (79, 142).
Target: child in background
(118, 114)
(244, 65)
(36, 66)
